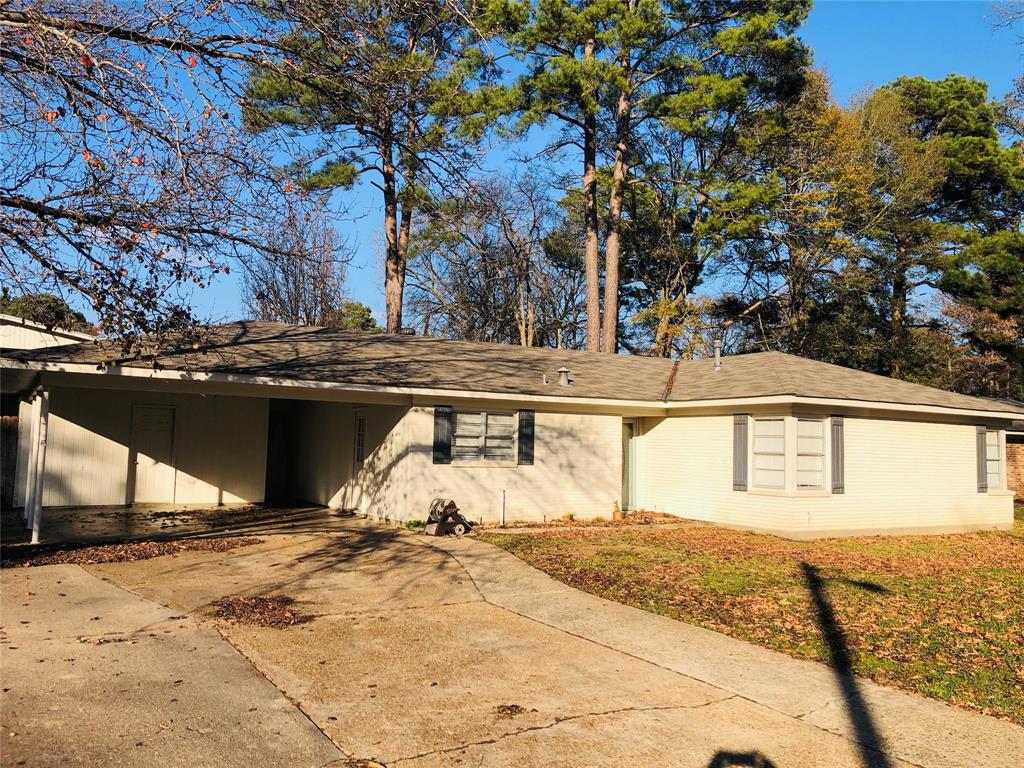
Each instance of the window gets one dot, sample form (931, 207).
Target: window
(810, 453)
(994, 459)
(359, 446)
(769, 453)
(484, 437)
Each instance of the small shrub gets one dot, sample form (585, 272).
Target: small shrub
(570, 516)
(412, 525)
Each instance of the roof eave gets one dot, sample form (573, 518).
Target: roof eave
(839, 404)
(654, 407)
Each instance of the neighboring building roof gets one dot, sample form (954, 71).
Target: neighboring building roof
(305, 353)
(19, 333)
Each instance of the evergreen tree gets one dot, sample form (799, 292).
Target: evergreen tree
(363, 83)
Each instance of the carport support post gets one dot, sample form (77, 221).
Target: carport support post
(37, 498)
(30, 469)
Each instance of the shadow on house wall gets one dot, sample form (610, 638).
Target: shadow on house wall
(219, 447)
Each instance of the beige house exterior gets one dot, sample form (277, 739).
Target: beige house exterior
(381, 425)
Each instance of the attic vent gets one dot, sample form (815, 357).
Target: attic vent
(563, 377)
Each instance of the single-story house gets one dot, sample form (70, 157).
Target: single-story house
(383, 424)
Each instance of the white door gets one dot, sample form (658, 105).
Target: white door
(628, 463)
(153, 453)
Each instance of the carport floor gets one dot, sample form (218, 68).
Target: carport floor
(428, 653)
(92, 525)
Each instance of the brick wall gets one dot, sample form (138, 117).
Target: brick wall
(1015, 467)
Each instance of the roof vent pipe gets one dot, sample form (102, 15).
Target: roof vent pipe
(563, 377)
(718, 354)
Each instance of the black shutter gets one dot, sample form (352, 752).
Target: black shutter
(981, 433)
(442, 434)
(739, 452)
(838, 455)
(526, 421)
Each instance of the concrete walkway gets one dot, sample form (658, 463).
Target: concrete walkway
(885, 723)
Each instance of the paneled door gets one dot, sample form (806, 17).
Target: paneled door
(628, 464)
(152, 454)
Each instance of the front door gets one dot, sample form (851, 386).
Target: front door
(153, 454)
(628, 450)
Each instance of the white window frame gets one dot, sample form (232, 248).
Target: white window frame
(999, 460)
(791, 456)
(480, 459)
(754, 453)
(823, 423)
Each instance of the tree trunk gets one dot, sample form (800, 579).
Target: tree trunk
(662, 342)
(591, 261)
(394, 264)
(897, 323)
(610, 326)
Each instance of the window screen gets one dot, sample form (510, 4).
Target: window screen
(993, 460)
(489, 436)
(769, 453)
(810, 453)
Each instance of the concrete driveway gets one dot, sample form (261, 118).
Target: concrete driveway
(422, 653)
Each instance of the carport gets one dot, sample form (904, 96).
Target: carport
(124, 448)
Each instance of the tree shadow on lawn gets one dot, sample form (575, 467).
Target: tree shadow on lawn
(869, 740)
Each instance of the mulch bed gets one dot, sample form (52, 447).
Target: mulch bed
(275, 611)
(122, 553)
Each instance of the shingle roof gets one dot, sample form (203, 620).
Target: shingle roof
(306, 353)
(310, 353)
(775, 373)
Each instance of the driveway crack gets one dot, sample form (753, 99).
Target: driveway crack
(557, 721)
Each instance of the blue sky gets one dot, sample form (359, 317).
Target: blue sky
(860, 43)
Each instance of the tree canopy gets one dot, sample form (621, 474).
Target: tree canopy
(637, 175)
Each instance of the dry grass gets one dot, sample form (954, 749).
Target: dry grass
(939, 615)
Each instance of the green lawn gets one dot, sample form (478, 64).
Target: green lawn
(940, 615)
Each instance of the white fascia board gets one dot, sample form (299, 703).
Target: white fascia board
(838, 404)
